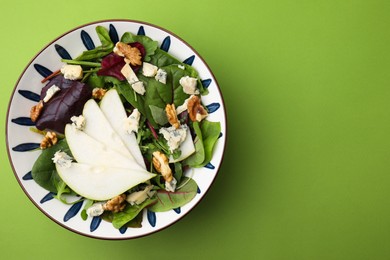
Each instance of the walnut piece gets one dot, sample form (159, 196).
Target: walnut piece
(98, 93)
(49, 140)
(161, 164)
(170, 110)
(132, 54)
(195, 110)
(116, 204)
(36, 111)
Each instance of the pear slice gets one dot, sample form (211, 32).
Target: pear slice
(112, 107)
(98, 127)
(187, 148)
(86, 149)
(100, 182)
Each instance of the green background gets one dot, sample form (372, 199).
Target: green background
(306, 172)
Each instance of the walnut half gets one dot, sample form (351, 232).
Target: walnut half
(132, 54)
(170, 110)
(161, 163)
(195, 110)
(50, 139)
(116, 204)
(36, 111)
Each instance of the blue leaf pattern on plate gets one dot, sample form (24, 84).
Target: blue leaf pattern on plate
(25, 147)
(123, 229)
(198, 190)
(113, 34)
(206, 82)
(73, 211)
(27, 176)
(62, 52)
(189, 60)
(23, 121)
(87, 40)
(220, 135)
(45, 72)
(47, 197)
(95, 223)
(141, 31)
(151, 218)
(209, 166)
(177, 210)
(166, 44)
(213, 107)
(30, 95)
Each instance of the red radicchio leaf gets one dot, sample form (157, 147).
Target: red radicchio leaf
(112, 64)
(68, 102)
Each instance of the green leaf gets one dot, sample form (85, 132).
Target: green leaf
(83, 213)
(159, 115)
(162, 59)
(207, 134)
(210, 133)
(198, 157)
(44, 170)
(130, 212)
(149, 45)
(104, 49)
(171, 200)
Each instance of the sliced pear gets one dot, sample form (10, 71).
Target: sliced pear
(112, 107)
(86, 149)
(187, 148)
(98, 127)
(100, 182)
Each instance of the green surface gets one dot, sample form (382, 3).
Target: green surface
(307, 171)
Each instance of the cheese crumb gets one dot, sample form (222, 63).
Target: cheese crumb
(78, 122)
(131, 123)
(174, 136)
(149, 70)
(72, 72)
(50, 93)
(171, 186)
(62, 159)
(161, 76)
(189, 85)
(96, 209)
(138, 86)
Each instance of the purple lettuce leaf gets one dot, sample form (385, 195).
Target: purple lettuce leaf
(68, 102)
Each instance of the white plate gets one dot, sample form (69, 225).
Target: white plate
(22, 142)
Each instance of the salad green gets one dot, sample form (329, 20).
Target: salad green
(168, 186)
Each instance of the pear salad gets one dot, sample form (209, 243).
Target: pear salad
(123, 127)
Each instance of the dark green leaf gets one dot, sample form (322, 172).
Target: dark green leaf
(162, 59)
(44, 170)
(159, 115)
(130, 212)
(207, 134)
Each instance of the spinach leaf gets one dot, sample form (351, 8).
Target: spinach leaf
(104, 49)
(210, 133)
(130, 212)
(207, 134)
(171, 200)
(44, 170)
(149, 45)
(162, 58)
(159, 115)
(198, 157)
